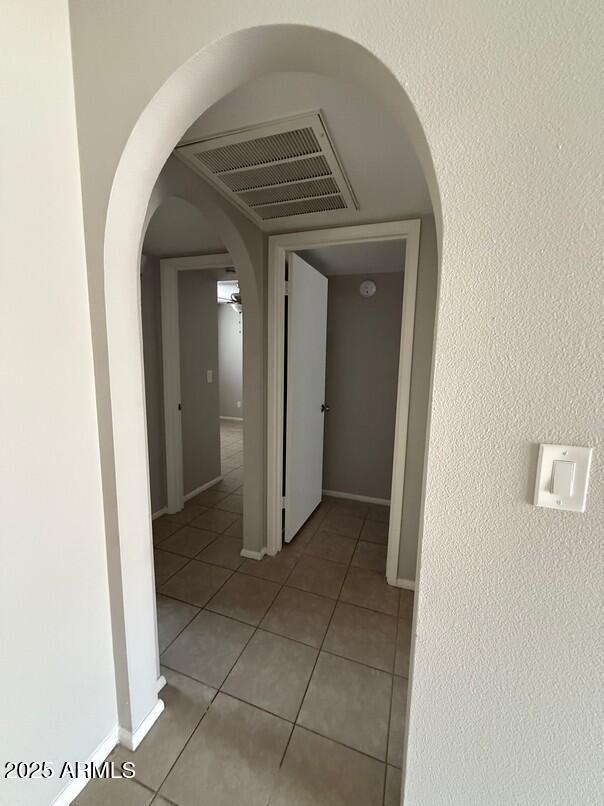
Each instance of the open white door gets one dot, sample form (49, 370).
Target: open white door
(305, 392)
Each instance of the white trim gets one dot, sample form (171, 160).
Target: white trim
(278, 247)
(408, 584)
(169, 269)
(159, 513)
(203, 487)
(73, 789)
(131, 740)
(236, 419)
(161, 682)
(252, 555)
(366, 499)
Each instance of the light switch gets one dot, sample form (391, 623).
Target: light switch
(209, 375)
(562, 477)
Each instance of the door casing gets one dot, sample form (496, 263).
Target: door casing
(170, 333)
(278, 248)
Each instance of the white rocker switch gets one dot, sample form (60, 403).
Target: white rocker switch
(562, 477)
(563, 474)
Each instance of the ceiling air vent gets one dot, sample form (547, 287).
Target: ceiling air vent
(277, 170)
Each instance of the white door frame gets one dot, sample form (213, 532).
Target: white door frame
(170, 331)
(279, 246)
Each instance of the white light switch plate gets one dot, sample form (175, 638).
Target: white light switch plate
(548, 454)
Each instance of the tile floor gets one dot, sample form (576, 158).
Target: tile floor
(286, 678)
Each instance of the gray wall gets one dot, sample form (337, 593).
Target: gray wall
(362, 364)
(198, 354)
(230, 361)
(152, 347)
(363, 337)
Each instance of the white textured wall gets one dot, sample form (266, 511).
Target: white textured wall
(506, 705)
(57, 677)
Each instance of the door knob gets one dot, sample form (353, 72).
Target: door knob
(324, 407)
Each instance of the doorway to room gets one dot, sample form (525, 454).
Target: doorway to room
(357, 450)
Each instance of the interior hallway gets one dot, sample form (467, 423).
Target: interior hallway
(287, 677)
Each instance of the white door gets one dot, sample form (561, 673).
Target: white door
(305, 392)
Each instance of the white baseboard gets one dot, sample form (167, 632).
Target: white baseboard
(73, 789)
(253, 555)
(161, 682)
(159, 513)
(203, 487)
(234, 419)
(131, 740)
(408, 584)
(366, 499)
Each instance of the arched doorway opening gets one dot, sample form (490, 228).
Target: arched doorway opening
(210, 75)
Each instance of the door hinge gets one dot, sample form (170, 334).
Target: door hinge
(283, 502)
(286, 288)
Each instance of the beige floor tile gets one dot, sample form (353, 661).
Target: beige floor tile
(344, 506)
(331, 546)
(227, 485)
(299, 615)
(245, 598)
(272, 673)
(397, 722)
(375, 532)
(225, 551)
(188, 541)
(403, 649)
(191, 510)
(209, 497)
(208, 648)
(235, 529)
(319, 772)
(342, 523)
(362, 635)
(172, 618)
(232, 475)
(392, 796)
(370, 589)
(196, 583)
(232, 758)
(232, 503)
(159, 801)
(349, 703)
(378, 512)
(276, 568)
(303, 537)
(406, 606)
(186, 701)
(370, 556)
(235, 459)
(166, 564)
(114, 791)
(316, 575)
(215, 520)
(163, 527)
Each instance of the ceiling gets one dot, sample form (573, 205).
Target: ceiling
(376, 157)
(178, 229)
(359, 258)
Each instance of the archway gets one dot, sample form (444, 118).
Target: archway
(204, 79)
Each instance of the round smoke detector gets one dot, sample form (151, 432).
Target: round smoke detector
(367, 288)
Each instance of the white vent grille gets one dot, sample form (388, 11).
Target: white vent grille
(279, 170)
